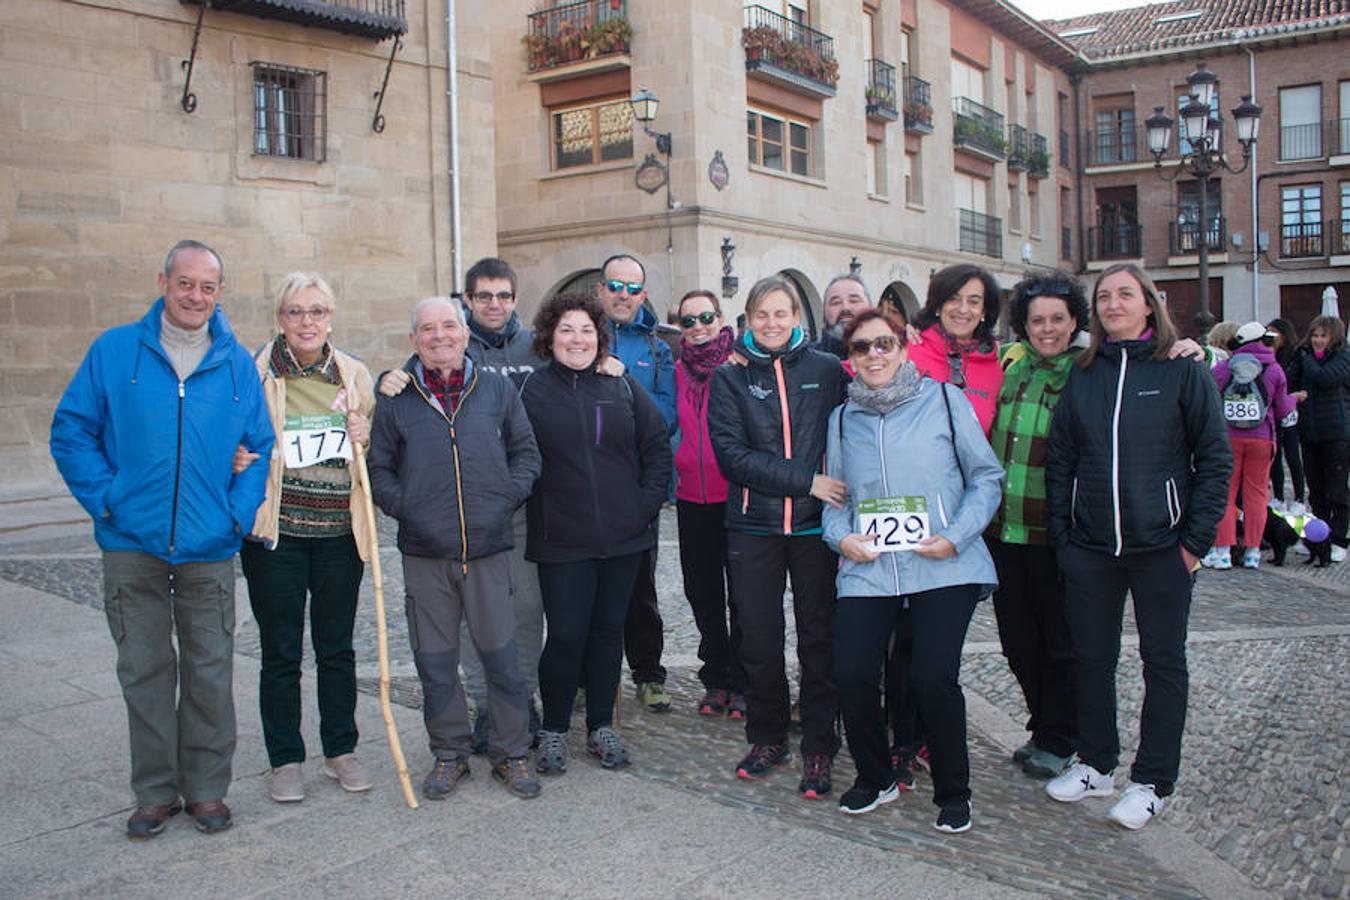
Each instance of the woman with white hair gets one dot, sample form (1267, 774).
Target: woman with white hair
(310, 535)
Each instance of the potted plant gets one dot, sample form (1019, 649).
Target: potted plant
(761, 42)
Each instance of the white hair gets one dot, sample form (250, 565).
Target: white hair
(295, 282)
(454, 305)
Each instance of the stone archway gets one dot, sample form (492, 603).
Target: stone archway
(904, 298)
(812, 311)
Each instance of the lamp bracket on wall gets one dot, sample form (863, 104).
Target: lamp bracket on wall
(377, 123)
(189, 100)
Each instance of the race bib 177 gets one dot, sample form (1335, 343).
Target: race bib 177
(313, 439)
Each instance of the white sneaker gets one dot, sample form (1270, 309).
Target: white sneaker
(1251, 558)
(1337, 553)
(1137, 806)
(1217, 558)
(1278, 506)
(1080, 781)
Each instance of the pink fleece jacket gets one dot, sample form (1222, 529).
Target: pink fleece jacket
(699, 479)
(983, 374)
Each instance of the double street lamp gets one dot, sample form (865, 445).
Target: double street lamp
(1202, 128)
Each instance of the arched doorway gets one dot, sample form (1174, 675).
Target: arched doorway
(902, 295)
(810, 302)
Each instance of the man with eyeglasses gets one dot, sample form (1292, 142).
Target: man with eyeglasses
(845, 297)
(623, 291)
(144, 437)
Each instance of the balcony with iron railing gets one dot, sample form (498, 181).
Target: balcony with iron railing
(1338, 140)
(573, 33)
(1115, 240)
(1114, 146)
(881, 91)
(1019, 149)
(978, 128)
(1040, 157)
(1339, 230)
(980, 233)
(1301, 142)
(1183, 237)
(789, 53)
(918, 105)
(378, 19)
(1302, 240)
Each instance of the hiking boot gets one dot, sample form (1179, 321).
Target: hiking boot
(1041, 764)
(714, 702)
(552, 756)
(1079, 782)
(762, 759)
(287, 783)
(347, 771)
(604, 743)
(211, 816)
(815, 781)
(652, 694)
(902, 767)
(1137, 806)
(1021, 753)
(148, 821)
(735, 706)
(515, 774)
(863, 798)
(444, 776)
(954, 818)
(481, 729)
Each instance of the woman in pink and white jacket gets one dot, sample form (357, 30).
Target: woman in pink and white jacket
(700, 495)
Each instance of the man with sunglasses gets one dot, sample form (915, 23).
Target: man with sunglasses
(845, 297)
(622, 292)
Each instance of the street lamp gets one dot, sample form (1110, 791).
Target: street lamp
(645, 104)
(1205, 156)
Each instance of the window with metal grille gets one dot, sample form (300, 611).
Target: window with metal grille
(290, 112)
(586, 135)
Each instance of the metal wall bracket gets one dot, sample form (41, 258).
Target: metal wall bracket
(377, 123)
(189, 101)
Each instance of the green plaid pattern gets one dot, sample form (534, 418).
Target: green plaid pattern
(1031, 390)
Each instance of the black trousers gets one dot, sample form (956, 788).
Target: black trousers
(1034, 632)
(1326, 464)
(863, 627)
(643, 631)
(760, 565)
(703, 560)
(1287, 449)
(906, 729)
(585, 604)
(1095, 586)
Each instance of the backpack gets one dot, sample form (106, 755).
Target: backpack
(1245, 404)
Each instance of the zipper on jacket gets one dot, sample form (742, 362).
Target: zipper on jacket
(1115, 454)
(787, 435)
(885, 482)
(702, 422)
(1073, 504)
(454, 453)
(590, 455)
(177, 472)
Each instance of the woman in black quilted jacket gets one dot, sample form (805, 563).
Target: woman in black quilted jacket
(1320, 376)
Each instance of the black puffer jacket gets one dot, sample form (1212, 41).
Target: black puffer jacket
(607, 465)
(769, 489)
(1324, 417)
(1138, 457)
(453, 482)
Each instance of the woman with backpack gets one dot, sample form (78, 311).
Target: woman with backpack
(1321, 378)
(1255, 399)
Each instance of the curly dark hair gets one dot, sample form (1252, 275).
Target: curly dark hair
(551, 313)
(945, 284)
(1056, 283)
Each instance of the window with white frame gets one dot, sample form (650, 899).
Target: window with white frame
(1301, 220)
(967, 80)
(779, 142)
(591, 134)
(1301, 122)
(876, 168)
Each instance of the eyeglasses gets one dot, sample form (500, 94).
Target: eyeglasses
(707, 318)
(487, 296)
(616, 287)
(314, 313)
(885, 344)
(956, 373)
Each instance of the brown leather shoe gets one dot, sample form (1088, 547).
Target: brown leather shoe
(211, 816)
(148, 821)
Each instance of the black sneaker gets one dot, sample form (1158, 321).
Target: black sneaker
(762, 759)
(954, 818)
(443, 778)
(862, 798)
(902, 768)
(815, 781)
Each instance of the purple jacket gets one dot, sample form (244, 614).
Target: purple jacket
(1277, 392)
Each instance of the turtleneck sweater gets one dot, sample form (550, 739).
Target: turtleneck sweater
(186, 349)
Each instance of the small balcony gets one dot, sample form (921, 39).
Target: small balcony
(376, 19)
(1039, 161)
(1183, 237)
(1114, 146)
(1301, 142)
(1339, 230)
(881, 91)
(1019, 149)
(1115, 240)
(1302, 240)
(1338, 140)
(978, 129)
(1064, 149)
(585, 32)
(918, 105)
(981, 234)
(789, 53)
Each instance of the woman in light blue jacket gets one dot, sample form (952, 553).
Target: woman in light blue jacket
(922, 484)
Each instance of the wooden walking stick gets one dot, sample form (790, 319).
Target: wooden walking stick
(382, 635)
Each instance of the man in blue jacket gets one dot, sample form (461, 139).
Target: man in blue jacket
(144, 437)
(622, 291)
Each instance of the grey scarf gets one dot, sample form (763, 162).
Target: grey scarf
(882, 400)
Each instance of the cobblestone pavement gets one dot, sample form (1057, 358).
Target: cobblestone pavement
(1264, 766)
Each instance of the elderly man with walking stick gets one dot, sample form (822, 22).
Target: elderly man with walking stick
(451, 460)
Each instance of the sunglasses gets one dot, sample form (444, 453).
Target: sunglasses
(886, 343)
(488, 296)
(707, 318)
(956, 374)
(1048, 289)
(616, 287)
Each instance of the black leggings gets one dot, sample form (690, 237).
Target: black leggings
(1287, 450)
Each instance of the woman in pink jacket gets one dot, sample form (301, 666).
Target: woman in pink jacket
(956, 341)
(700, 495)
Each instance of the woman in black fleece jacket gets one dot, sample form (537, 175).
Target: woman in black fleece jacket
(607, 467)
(1136, 478)
(1320, 374)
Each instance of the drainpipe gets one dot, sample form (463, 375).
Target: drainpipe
(452, 90)
(1256, 253)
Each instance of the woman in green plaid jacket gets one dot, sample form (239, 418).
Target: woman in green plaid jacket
(1046, 312)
